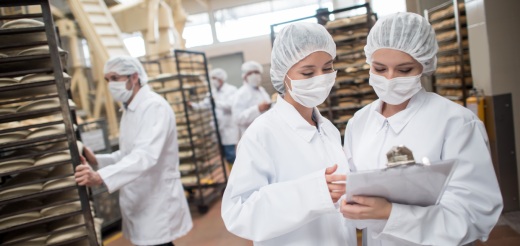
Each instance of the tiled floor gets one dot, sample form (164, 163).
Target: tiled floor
(209, 230)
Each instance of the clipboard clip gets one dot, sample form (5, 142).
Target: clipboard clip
(399, 156)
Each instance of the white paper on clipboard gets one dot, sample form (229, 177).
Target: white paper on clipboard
(419, 185)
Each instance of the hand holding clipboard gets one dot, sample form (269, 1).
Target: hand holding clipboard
(406, 182)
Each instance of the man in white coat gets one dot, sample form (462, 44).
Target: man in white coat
(145, 169)
(223, 94)
(251, 100)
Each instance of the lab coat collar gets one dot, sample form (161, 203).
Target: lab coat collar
(138, 98)
(222, 88)
(291, 116)
(398, 121)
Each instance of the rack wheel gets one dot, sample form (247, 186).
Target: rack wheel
(203, 209)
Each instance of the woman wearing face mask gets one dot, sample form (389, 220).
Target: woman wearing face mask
(283, 189)
(400, 49)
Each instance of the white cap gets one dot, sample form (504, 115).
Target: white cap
(406, 32)
(126, 65)
(251, 66)
(218, 73)
(295, 42)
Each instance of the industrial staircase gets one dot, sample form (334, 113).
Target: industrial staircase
(104, 39)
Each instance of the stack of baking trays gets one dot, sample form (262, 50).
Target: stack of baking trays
(453, 76)
(40, 203)
(351, 91)
(201, 165)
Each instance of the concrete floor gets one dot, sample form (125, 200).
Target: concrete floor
(506, 232)
(209, 230)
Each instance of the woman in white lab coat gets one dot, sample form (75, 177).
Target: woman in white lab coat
(284, 188)
(400, 49)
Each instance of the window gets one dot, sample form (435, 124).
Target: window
(385, 7)
(86, 52)
(134, 44)
(255, 19)
(197, 30)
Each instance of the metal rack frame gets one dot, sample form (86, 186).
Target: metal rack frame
(332, 107)
(183, 76)
(321, 14)
(16, 66)
(461, 74)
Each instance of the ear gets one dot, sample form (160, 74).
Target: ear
(135, 77)
(286, 82)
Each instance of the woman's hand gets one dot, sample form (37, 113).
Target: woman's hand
(335, 183)
(366, 207)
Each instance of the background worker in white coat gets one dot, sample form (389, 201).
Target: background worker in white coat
(251, 100)
(223, 94)
(284, 188)
(145, 169)
(400, 49)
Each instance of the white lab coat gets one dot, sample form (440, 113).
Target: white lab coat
(245, 105)
(145, 171)
(223, 98)
(277, 193)
(433, 127)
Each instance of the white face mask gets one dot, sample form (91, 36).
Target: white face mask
(397, 90)
(119, 91)
(254, 80)
(214, 83)
(313, 91)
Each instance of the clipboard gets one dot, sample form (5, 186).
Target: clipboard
(414, 184)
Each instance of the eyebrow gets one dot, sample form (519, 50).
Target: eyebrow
(402, 64)
(311, 66)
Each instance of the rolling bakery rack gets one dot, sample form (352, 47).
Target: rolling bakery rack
(40, 202)
(452, 79)
(351, 91)
(94, 134)
(182, 77)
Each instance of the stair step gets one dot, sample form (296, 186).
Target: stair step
(104, 30)
(117, 52)
(108, 42)
(93, 8)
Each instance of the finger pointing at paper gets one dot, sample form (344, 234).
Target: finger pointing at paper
(335, 183)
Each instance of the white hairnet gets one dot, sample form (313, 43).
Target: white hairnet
(126, 65)
(218, 73)
(251, 66)
(406, 32)
(295, 42)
